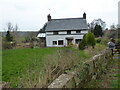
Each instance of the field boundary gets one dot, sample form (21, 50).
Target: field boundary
(91, 70)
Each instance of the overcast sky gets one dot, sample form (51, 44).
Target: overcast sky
(32, 14)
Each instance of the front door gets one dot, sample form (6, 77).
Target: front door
(69, 42)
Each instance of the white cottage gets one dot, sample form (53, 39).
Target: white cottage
(63, 32)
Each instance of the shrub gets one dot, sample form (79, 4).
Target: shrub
(60, 62)
(90, 39)
(98, 40)
(104, 41)
(82, 44)
(6, 45)
(118, 41)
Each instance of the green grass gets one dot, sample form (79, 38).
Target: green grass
(16, 62)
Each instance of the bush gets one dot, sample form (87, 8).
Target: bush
(104, 41)
(90, 39)
(82, 44)
(6, 45)
(118, 41)
(98, 40)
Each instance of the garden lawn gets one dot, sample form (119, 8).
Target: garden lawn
(15, 62)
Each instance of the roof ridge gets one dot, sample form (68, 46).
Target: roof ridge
(67, 18)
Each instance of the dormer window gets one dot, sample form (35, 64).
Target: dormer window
(55, 33)
(68, 32)
(78, 31)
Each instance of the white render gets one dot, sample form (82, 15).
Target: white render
(84, 31)
(41, 35)
(62, 36)
(62, 32)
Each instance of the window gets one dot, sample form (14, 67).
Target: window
(54, 42)
(60, 42)
(77, 41)
(68, 32)
(78, 31)
(55, 32)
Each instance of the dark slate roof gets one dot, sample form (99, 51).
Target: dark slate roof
(66, 24)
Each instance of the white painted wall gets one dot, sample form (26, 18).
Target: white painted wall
(73, 32)
(51, 38)
(49, 33)
(85, 31)
(62, 32)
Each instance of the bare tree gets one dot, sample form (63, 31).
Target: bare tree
(97, 22)
(9, 26)
(15, 31)
(113, 27)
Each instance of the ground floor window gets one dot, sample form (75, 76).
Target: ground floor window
(77, 40)
(54, 42)
(60, 42)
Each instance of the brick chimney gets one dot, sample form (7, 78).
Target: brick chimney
(49, 17)
(84, 15)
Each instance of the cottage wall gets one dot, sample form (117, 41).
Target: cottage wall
(73, 32)
(51, 38)
(47, 33)
(84, 31)
(62, 35)
(62, 32)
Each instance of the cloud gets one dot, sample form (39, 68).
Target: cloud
(32, 14)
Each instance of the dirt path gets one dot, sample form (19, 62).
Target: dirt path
(111, 77)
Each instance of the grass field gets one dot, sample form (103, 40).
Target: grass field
(16, 62)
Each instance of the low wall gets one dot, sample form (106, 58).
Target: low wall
(90, 70)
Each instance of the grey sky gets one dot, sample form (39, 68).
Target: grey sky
(32, 14)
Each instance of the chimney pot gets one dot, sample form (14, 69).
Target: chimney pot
(84, 15)
(49, 17)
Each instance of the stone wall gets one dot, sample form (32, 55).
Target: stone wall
(90, 70)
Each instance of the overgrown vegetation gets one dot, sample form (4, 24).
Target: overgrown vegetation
(110, 78)
(117, 41)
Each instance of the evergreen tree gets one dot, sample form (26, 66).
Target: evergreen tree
(9, 37)
(98, 31)
(82, 44)
(90, 39)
